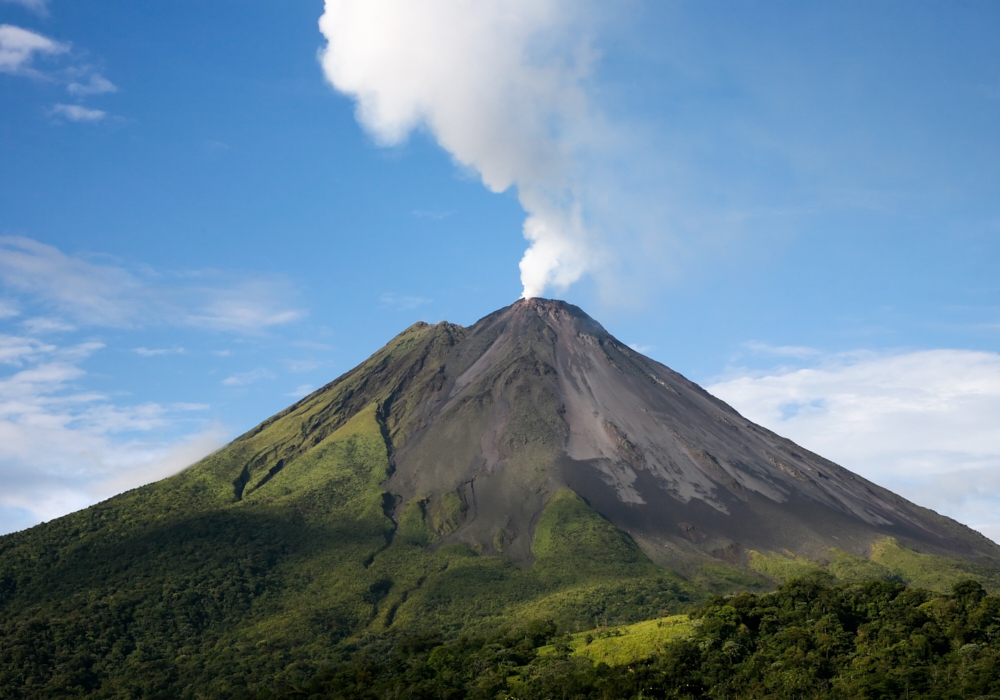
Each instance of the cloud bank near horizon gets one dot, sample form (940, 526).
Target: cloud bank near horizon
(922, 424)
(64, 447)
(64, 444)
(501, 86)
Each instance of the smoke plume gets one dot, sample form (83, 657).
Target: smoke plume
(500, 85)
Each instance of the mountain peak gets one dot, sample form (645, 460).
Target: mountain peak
(487, 422)
(556, 313)
(537, 397)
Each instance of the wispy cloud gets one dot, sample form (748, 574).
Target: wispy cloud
(20, 50)
(245, 378)
(77, 113)
(19, 47)
(403, 302)
(91, 293)
(16, 350)
(103, 294)
(302, 365)
(153, 352)
(300, 391)
(246, 305)
(921, 423)
(94, 84)
(40, 325)
(641, 348)
(63, 447)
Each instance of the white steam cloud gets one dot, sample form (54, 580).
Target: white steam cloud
(18, 47)
(500, 85)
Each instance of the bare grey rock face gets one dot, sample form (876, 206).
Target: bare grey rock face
(538, 396)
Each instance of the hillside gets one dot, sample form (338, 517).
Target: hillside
(461, 480)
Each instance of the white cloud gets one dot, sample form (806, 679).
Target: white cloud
(15, 350)
(923, 424)
(63, 448)
(245, 378)
(91, 293)
(300, 391)
(146, 463)
(18, 47)
(247, 306)
(500, 85)
(39, 325)
(77, 113)
(96, 84)
(103, 294)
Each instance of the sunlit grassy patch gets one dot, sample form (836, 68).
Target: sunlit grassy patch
(625, 644)
(781, 566)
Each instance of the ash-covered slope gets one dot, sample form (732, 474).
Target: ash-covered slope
(486, 423)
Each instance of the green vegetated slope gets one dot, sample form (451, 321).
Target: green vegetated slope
(888, 561)
(878, 640)
(203, 586)
(284, 553)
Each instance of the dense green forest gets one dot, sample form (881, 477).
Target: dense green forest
(809, 639)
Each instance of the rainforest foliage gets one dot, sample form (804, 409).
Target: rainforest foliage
(809, 639)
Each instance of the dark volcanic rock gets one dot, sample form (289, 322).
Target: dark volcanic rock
(538, 396)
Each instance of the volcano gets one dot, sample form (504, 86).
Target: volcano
(530, 467)
(486, 423)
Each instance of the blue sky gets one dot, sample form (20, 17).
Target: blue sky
(794, 204)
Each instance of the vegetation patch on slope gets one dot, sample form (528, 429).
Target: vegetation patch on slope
(573, 542)
(625, 644)
(781, 566)
(888, 561)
